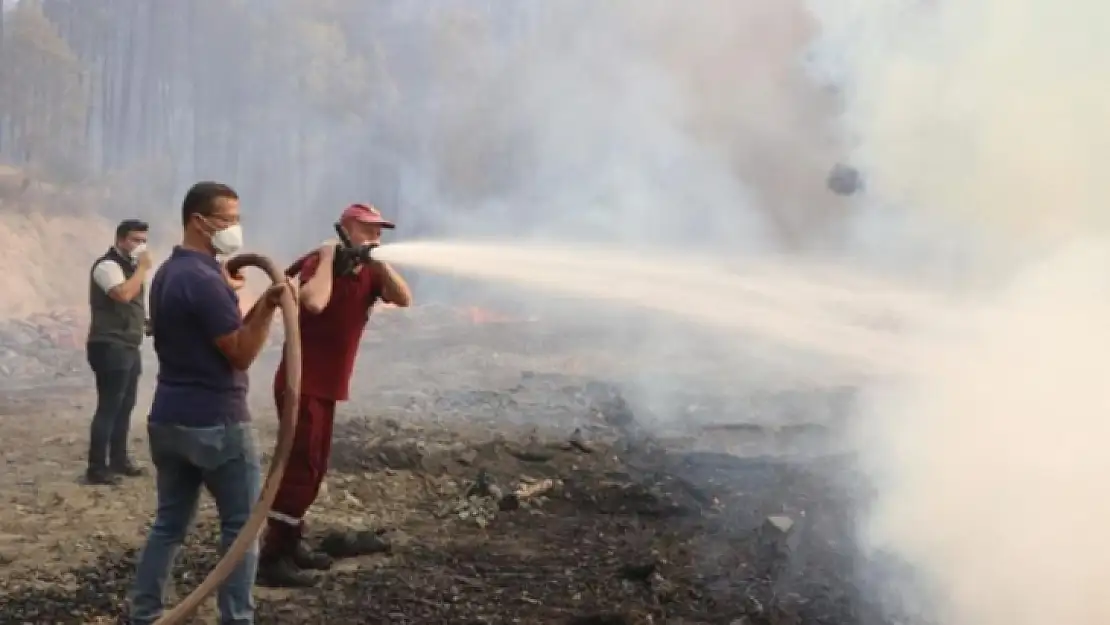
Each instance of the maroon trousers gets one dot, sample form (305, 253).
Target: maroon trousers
(308, 464)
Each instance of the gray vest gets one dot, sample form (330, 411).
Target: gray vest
(116, 322)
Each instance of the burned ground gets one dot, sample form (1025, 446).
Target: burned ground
(517, 494)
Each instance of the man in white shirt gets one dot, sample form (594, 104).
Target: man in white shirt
(118, 305)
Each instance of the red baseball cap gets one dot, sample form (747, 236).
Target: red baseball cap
(366, 214)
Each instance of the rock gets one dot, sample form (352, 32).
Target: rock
(530, 453)
(577, 441)
(401, 455)
(780, 524)
(467, 457)
(779, 537)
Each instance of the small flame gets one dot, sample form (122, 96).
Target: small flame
(479, 316)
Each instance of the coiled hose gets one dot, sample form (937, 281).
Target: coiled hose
(287, 426)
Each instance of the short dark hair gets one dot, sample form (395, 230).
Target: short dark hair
(127, 226)
(201, 199)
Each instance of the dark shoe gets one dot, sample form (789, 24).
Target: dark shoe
(305, 558)
(353, 544)
(127, 469)
(101, 476)
(282, 572)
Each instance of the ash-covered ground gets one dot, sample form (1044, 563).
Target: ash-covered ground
(516, 474)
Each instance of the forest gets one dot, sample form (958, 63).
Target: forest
(439, 111)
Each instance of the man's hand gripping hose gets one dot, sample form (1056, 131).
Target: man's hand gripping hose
(286, 428)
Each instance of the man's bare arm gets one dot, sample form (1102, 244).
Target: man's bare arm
(316, 291)
(394, 288)
(243, 346)
(130, 288)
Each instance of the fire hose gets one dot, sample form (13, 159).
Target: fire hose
(287, 426)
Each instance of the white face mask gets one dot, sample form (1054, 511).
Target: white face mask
(139, 249)
(229, 240)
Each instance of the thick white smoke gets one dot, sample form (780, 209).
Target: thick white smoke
(992, 117)
(638, 121)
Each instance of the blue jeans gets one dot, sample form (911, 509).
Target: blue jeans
(225, 460)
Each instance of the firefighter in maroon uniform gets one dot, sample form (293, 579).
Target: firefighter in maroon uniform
(335, 306)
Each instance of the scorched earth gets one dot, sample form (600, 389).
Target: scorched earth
(506, 484)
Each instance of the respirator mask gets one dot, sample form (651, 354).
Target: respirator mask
(228, 240)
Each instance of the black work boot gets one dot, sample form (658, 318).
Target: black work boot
(306, 558)
(280, 571)
(126, 468)
(101, 476)
(352, 544)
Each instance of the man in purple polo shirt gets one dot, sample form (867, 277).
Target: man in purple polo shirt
(199, 425)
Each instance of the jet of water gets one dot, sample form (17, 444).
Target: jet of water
(836, 314)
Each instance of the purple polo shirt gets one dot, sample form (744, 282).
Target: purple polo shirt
(191, 305)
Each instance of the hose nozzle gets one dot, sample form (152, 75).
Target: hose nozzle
(347, 254)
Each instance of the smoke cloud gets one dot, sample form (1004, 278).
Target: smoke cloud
(683, 130)
(988, 119)
(630, 122)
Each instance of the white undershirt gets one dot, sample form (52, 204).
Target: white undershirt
(107, 274)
